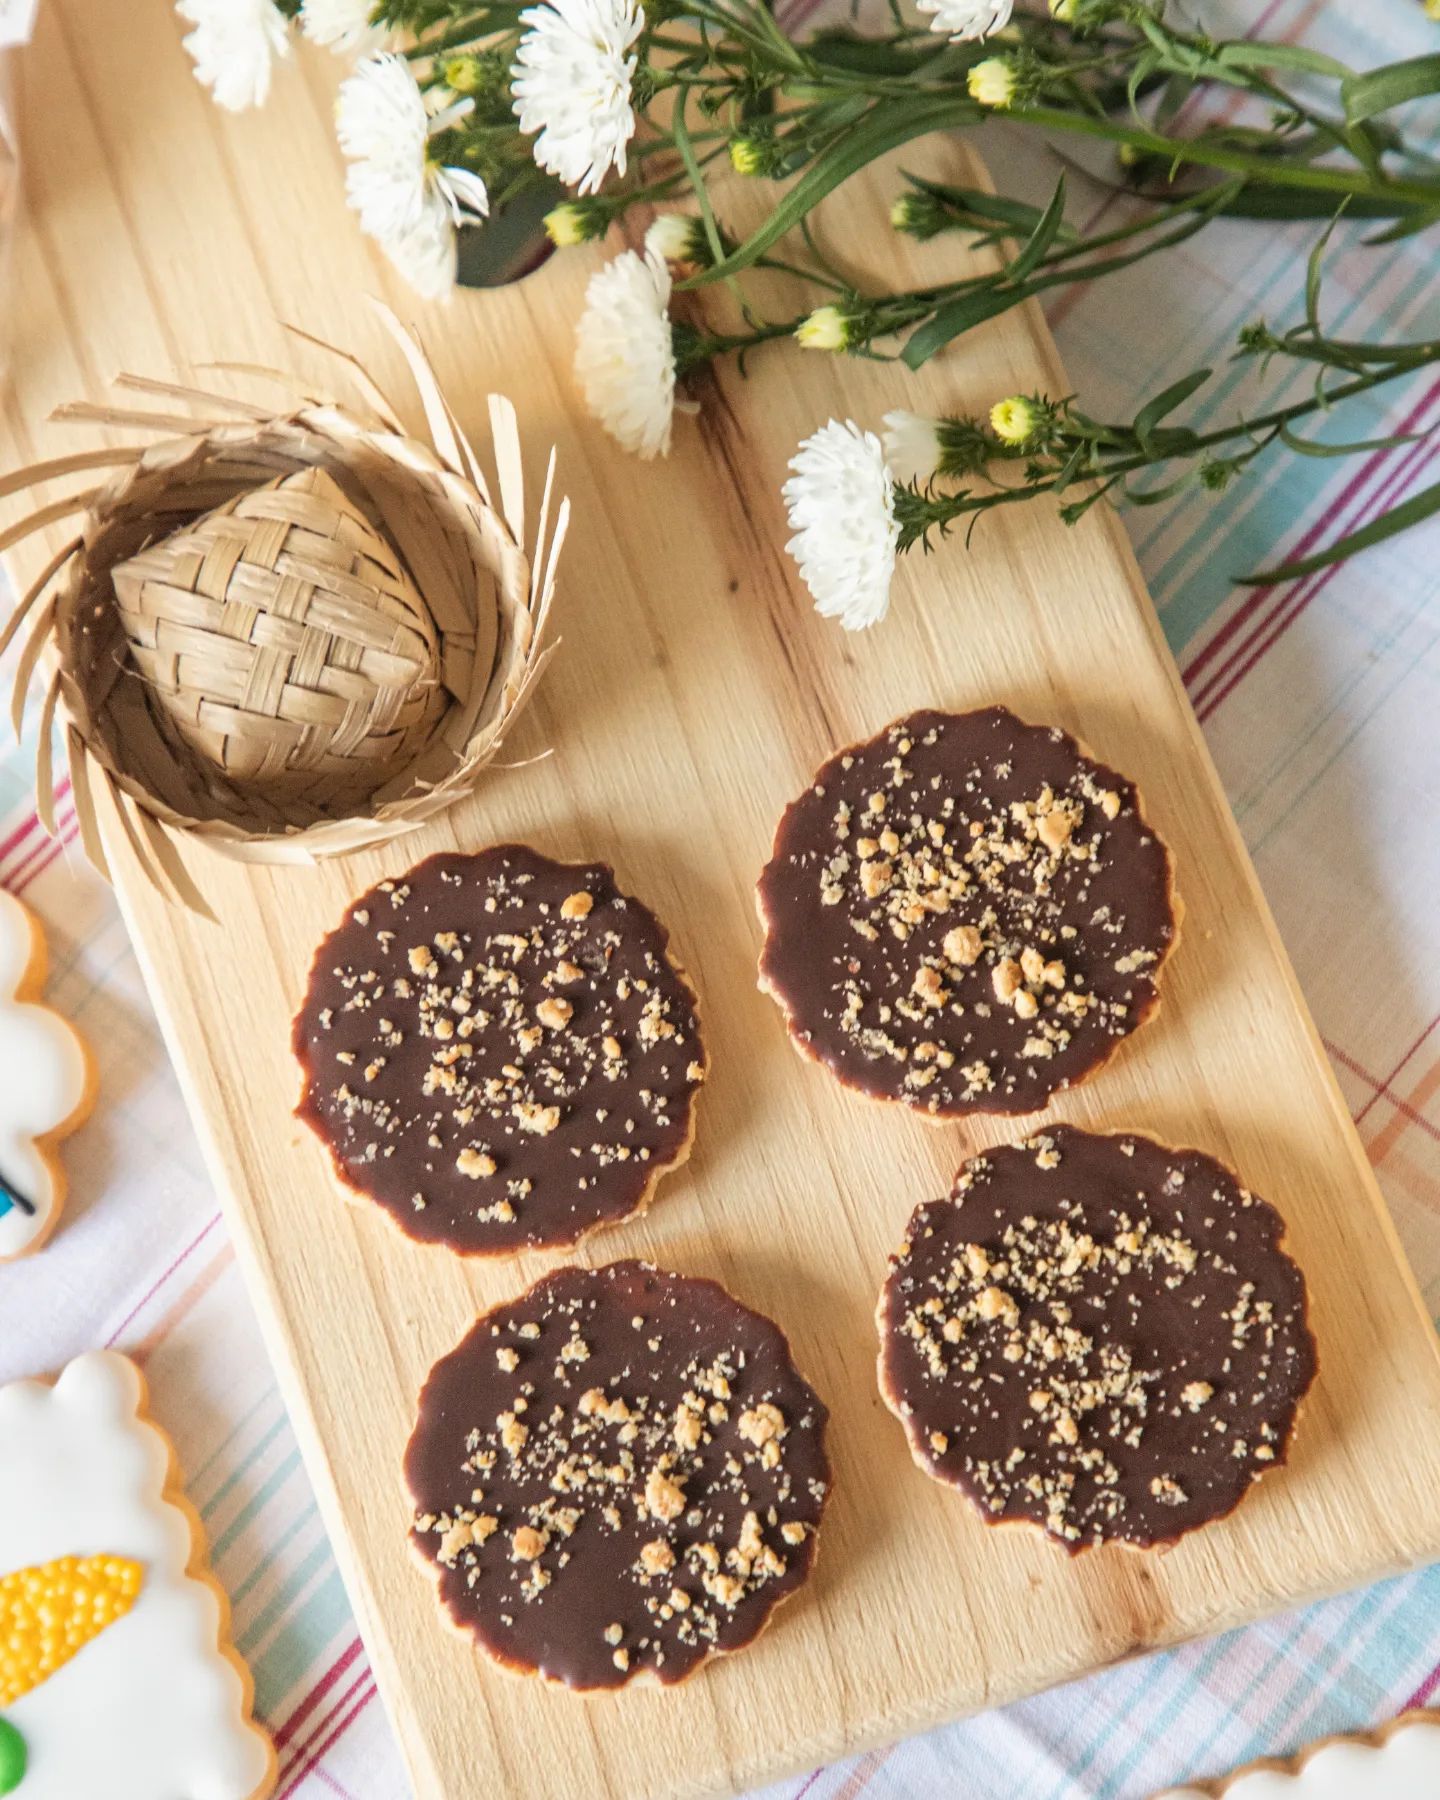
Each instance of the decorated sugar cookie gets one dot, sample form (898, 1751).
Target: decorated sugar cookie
(45, 1092)
(116, 1675)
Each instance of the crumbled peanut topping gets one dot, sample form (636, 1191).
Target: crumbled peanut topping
(529, 1067)
(1096, 1334)
(688, 1449)
(1003, 907)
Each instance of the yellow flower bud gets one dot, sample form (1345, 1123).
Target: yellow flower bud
(1014, 421)
(574, 222)
(463, 74)
(827, 328)
(992, 82)
(747, 157)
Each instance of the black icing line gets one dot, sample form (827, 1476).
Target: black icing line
(10, 1192)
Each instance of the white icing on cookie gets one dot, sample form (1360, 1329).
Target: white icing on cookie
(43, 1086)
(150, 1709)
(1405, 1766)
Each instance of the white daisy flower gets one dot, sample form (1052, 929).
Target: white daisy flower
(234, 46)
(571, 82)
(625, 352)
(912, 446)
(344, 26)
(405, 199)
(841, 501)
(967, 18)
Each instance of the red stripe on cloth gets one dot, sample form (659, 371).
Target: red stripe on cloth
(317, 1693)
(1352, 489)
(1273, 628)
(64, 822)
(40, 860)
(62, 789)
(1385, 1084)
(291, 1763)
(1382, 1091)
(20, 833)
(159, 1282)
(1425, 1692)
(323, 1748)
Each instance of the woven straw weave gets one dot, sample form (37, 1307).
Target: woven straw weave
(288, 634)
(284, 642)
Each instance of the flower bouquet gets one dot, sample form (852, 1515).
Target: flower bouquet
(457, 113)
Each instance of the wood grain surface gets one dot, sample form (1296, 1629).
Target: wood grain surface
(693, 693)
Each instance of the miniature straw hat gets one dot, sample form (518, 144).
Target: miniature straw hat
(289, 634)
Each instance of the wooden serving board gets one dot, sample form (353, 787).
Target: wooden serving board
(692, 695)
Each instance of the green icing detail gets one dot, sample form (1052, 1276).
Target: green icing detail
(12, 1758)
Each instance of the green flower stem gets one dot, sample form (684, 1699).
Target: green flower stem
(463, 32)
(1216, 156)
(1168, 446)
(708, 345)
(829, 282)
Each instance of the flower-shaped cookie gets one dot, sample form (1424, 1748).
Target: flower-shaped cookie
(45, 1093)
(117, 1681)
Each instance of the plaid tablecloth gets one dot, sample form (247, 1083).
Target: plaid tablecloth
(1320, 701)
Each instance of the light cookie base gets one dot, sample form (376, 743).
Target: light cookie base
(28, 991)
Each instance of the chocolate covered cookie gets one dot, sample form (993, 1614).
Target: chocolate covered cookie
(617, 1476)
(499, 1052)
(1098, 1335)
(965, 913)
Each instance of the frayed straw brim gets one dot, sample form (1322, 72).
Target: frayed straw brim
(487, 605)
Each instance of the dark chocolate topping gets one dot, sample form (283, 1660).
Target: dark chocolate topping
(965, 913)
(1098, 1334)
(498, 1051)
(619, 1473)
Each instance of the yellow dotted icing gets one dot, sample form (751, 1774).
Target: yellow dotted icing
(50, 1613)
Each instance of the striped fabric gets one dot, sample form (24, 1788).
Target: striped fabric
(1319, 700)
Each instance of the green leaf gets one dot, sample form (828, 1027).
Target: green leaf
(1158, 495)
(1260, 199)
(1281, 56)
(1150, 415)
(1362, 145)
(1314, 269)
(1176, 91)
(1308, 447)
(1145, 66)
(1413, 511)
(1071, 468)
(1041, 238)
(1377, 90)
(889, 124)
(1410, 226)
(998, 208)
(681, 132)
(960, 315)
(865, 56)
